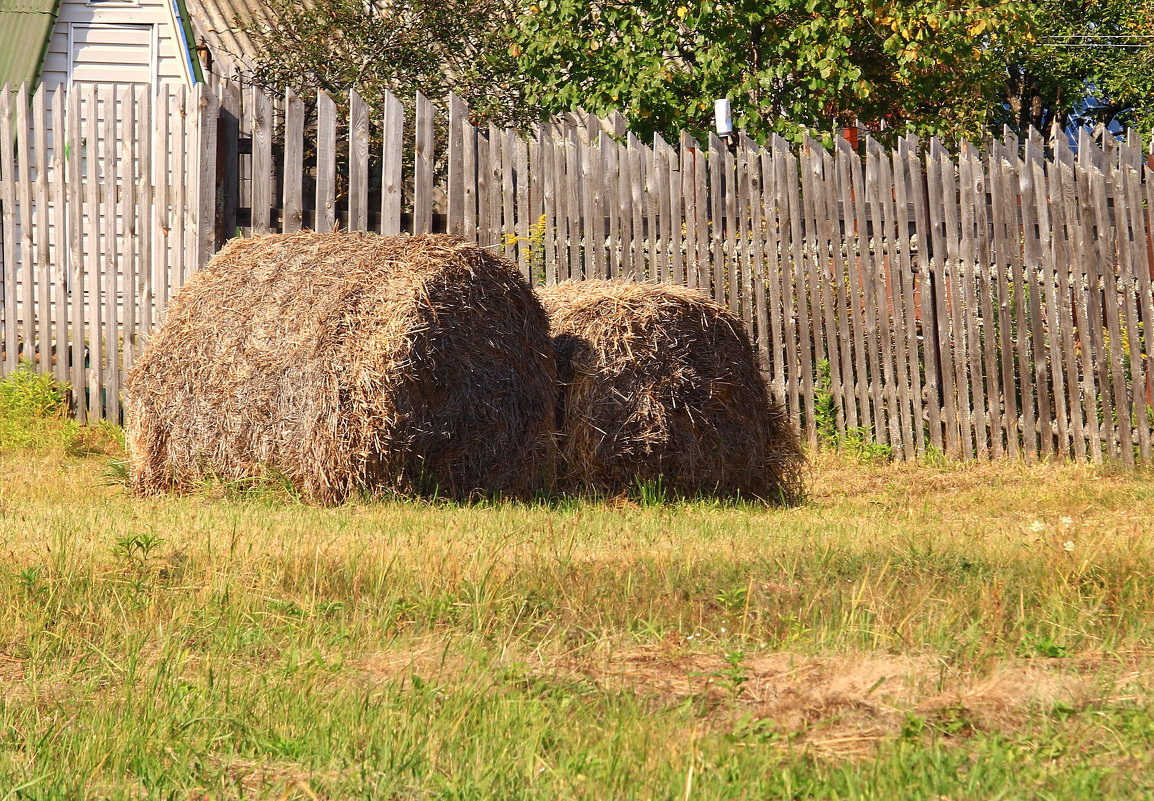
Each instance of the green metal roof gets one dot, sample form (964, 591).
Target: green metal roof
(25, 28)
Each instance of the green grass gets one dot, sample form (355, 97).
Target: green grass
(912, 632)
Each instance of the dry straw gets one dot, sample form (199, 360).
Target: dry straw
(348, 363)
(659, 383)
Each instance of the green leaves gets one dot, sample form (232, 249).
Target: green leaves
(1079, 48)
(951, 69)
(789, 65)
(404, 46)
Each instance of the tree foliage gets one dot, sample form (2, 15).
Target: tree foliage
(401, 46)
(787, 65)
(1088, 61)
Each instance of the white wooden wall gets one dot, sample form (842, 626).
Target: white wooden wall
(138, 43)
(128, 50)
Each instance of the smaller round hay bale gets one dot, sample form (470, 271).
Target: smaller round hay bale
(348, 364)
(658, 382)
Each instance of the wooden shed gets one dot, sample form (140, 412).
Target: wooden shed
(139, 43)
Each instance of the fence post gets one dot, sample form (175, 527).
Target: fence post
(74, 219)
(326, 202)
(358, 163)
(392, 156)
(228, 162)
(293, 211)
(24, 204)
(458, 117)
(260, 123)
(423, 167)
(8, 228)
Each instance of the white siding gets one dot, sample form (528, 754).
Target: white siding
(125, 50)
(112, 43)
(126, 53)
(104, 53)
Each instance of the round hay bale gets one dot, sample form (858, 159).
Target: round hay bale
(348, 363)
(658, 382)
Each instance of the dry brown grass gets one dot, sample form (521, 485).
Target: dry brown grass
(348, 363)
(847, 703)
(841, 705)
(660, 382)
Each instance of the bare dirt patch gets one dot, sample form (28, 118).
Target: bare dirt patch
(428, 659)
(845, 704)
(12, 677)
(841, 704)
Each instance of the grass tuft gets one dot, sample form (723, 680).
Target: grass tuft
(33, 406)
(34, 415)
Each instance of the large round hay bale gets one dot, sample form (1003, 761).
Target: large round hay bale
(658, 382)
(348, 363)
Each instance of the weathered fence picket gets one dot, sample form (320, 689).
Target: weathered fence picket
(423, 167)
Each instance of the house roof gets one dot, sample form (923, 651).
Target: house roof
(214, 24)
(25, 28)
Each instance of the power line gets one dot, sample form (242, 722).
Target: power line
(1126, 40)
(1097, 46)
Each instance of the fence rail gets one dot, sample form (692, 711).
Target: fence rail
(986, 303)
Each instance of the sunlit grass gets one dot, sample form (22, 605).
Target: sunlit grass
(963, 631)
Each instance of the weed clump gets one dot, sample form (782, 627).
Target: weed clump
(34, 414)
(856, 442)
(33, 408)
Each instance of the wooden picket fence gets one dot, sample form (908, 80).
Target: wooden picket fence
(991, 302)
(102, 194)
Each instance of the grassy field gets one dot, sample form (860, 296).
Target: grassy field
(912, 632)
